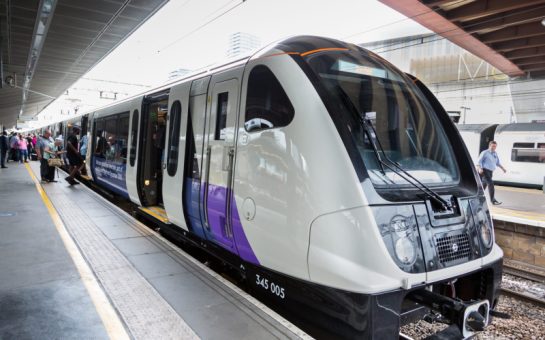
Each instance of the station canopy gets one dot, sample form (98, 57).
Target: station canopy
(508, 34)
(47, 45)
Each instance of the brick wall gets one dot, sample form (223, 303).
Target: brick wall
(521, 242)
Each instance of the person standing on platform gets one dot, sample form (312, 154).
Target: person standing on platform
(73, 155)
(14, 147)
(23, 149)
(52, 150)
(4, 147)
(83, 152)
(30, 147)
(41, 144)
(488, 161)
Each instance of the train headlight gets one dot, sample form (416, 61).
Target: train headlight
(400, 235)
(484, 227)
(405, 250)
(486, 233)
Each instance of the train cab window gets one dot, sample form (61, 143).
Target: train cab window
(174, 138)
(134, 135)
(267, 105)
(378, 111)
(221, 115)
(528, 153)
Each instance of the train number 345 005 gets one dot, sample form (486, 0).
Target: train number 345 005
(270, 286)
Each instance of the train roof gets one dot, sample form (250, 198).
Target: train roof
(521, 127)
(477, 128)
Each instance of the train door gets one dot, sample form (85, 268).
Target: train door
(193, 155)
(151, 154)
(219, 146)
(173, 172)
(134, 109)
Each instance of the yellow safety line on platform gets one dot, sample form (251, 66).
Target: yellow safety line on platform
(109, 317)
(516, 213)
(521, 190)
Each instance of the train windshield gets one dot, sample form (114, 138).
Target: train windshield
(404, 127)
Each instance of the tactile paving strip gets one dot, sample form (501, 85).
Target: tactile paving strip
(271, 323)
(146, 314)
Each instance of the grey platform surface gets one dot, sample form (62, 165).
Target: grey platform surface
(531, 201)
(41, 293)
(157, 289)
(520, 205)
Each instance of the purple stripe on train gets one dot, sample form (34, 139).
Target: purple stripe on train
(217, 220)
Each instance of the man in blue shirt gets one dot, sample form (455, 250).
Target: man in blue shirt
(488, 161)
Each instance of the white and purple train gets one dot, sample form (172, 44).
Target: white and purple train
(334, 183)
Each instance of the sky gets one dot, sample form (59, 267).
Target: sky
(184, 34)
(163, 44)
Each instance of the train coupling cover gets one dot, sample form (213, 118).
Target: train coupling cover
(470, 317)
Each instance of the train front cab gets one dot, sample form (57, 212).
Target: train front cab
(435, 251)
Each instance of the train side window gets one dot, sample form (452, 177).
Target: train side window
(527, 153)
(174, 138)
(100, 141)
(524, 145)
(267, 105)
(221, 115)
(120, 153)
(84, 124)
(134, 135)
(110, 134)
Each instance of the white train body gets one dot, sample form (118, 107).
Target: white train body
(520, 148)
(271, 162)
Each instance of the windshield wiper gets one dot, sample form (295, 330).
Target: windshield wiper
(433, 196)
(367, 125)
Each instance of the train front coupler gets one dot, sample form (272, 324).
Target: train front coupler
(469, 316)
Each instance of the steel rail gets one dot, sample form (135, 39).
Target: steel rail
(523, 296)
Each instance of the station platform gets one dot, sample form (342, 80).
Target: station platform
(73, 265)
(519, 205)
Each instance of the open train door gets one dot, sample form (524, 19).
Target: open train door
(218, 160)
(134, 108)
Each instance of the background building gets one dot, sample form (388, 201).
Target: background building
(242, 43)
(465, 84)
(178, 73)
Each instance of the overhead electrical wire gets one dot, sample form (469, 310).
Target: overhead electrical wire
(196, 29)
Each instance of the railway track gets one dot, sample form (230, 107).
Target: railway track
(532, 276)
(524, 274)
(523, 296)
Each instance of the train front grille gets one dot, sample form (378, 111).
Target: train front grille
(451, 249)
